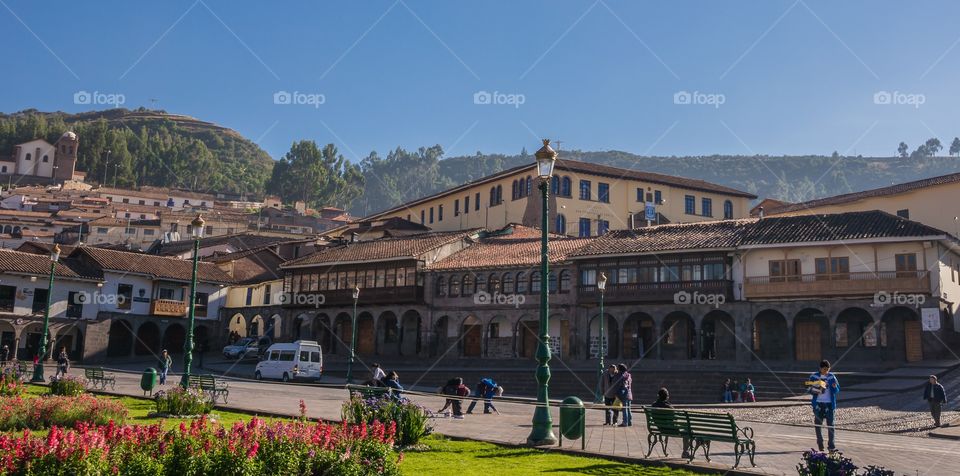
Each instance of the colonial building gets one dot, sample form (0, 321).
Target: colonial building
(39, 158)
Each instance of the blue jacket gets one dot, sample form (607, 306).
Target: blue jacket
(832, 383)
(487, 388)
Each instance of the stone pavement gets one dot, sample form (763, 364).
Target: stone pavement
(778, 446)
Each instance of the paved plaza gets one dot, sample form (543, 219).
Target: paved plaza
(779, 446)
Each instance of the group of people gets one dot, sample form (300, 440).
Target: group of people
(616, 386)
(733, 391)
(456, 391)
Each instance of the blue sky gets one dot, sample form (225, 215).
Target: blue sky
(765, 77)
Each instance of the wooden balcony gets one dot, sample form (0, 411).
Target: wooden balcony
(655, 292)
(168, 307)
(865, 283)
(344, 297)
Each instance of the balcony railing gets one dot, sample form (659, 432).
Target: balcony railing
(168, 307)
(860, 283)
(655, 292)
(343, 297)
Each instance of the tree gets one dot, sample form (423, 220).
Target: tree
(319, 177)
(955, 146)
(933, 146)
(902, 149)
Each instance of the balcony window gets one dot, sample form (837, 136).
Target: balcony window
(564, 281)
(391, 278)
(381, 278)
(535, 282)
(906, 265)
(713, 271)
(784, 270)
(441, 290)
(200, 304)
(833, 268)
(588, 277)
(468, 288)
(521, 283)
(493, 284)
(166, 293)
(454, 286)
(689, 205)
(508, 283)
(561, 226)
(481, 284)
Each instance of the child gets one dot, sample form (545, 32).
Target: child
(749, 394)
(456, 388)
(449, 389)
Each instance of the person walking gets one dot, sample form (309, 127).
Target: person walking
(165, 364)
(63, 363)
(625, 394)
(486, 389)
(824, 388)
(934, 393)
(609, 392)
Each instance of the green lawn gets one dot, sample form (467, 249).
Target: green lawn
(477, 458)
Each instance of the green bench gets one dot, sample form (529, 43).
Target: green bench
(211, 386)
(97, 378)
(366, 391)
(698, 430)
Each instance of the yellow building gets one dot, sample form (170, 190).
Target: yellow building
(934, 202)
(585, 200)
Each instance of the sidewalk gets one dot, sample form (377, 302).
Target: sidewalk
(778, 446)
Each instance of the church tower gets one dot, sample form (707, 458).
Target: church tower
(65, 157)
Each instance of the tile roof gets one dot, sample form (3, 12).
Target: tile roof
(41, 248)
(518, 249)
(239, 241)
(749, 232)
(251, 266)
(411, 247)
(30, 263)
(876, 192)
(158, 266)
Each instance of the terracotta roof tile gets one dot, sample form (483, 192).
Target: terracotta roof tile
(30, 263)
(382, 249)
(157, 266)
(876, 192)
(519, 249)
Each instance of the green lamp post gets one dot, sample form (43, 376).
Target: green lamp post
(602, 350)
(542, 432)
(197, 232)
(38, 369)
(353, 334)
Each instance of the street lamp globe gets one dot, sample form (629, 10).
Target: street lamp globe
(55, 253)
(197, 224)
(356, 293)
(602, 282)
(546, 159)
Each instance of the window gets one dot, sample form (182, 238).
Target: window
(585, 190)
(706, 207)
(727, 209)
(529, 187)
(521, 283)
(456, 207)
(507, 283)
(602, 227)
(286, 355)
(565, 186)
(481, 283)
(784, 270)
(102, 230)
(535, 283)
(7, 297)
(267, 291)
(249, 299)
(584, 227)
(74, 305)
(126, 200)
(440, 213)
(905, 213)
(476, 201)
(39, 299)
(588, 277)
(564, 281)
(603, 192)
(431, 214)
(200, 304)
(658, 197)
(906, 265)
(29, 156)
(493, 196)
(561, 226)
(689, 205)
(639, 194)
(514, 190)
(552, 282)
(142, 202)
(315, 357)
(467, 289)
(441, 290)
(555, 185)
(422, 220)
(156, 204)
(454, 286)
(130, 231)
(833, 268)
(841, 334)
(126, 291)
(46, 158)
(209, 230)
(493, 284)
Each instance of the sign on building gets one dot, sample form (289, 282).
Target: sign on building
(930, 316)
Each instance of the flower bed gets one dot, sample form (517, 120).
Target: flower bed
(251, 448)
(818, 463)
(10, 385)
(17, 413)
(411, 419)
(182, 402)
(68, 386)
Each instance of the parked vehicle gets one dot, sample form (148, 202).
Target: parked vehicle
(242, 349)
(299, 360)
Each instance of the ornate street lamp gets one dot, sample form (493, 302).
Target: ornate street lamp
(601, 286)
(38, 369)
(353, 334)
(542, 432)
(197, 232)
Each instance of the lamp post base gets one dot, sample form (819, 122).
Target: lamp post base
(37, 374)
(542, 432)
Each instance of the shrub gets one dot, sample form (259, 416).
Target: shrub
(183, 402)
(251, 448)
(17, 413)
(10, 385)
(68, 386)
(411, 420)
(818, 463)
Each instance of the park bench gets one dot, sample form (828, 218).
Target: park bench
(663, 424)
(211, 386)
(97, 378)
(366, 391)
(704, 428)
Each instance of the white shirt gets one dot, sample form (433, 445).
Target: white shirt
(379, 374)
(826, 396)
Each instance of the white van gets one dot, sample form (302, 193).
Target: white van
(301, 360)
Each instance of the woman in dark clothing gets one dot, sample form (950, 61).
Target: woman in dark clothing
(625, 394)
(393, 382)
(663, 399)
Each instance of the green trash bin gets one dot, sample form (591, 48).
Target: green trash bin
(148, 380)
(573, 421)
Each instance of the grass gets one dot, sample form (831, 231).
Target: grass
(476, 458)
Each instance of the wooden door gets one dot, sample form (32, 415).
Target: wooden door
(472, 340)
(808, 340)
(529, 338)
(346, 332)
(911, 338)
(564, 338)
(365, 336)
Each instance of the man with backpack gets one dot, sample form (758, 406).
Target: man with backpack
(486, 389)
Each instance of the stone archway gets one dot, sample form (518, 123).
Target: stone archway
(388, 334)
(718, 339)
(274, 328)
(120, 339)
(901, 336)
(71, 338)
(855, 336)
(771, 340)
(173, 338)
(344, 326)
(237, 328)
(612, 336)
(410, 333)
(440, 342)
(8, 337)
(679, 341)
(148, 340)
(366, 336)
(811, 335)
(30, 341)
(639, 336)
(527, 337)
(323, 333)
(257, 326)
(471, 337)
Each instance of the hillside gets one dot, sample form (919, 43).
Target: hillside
(149, 147)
